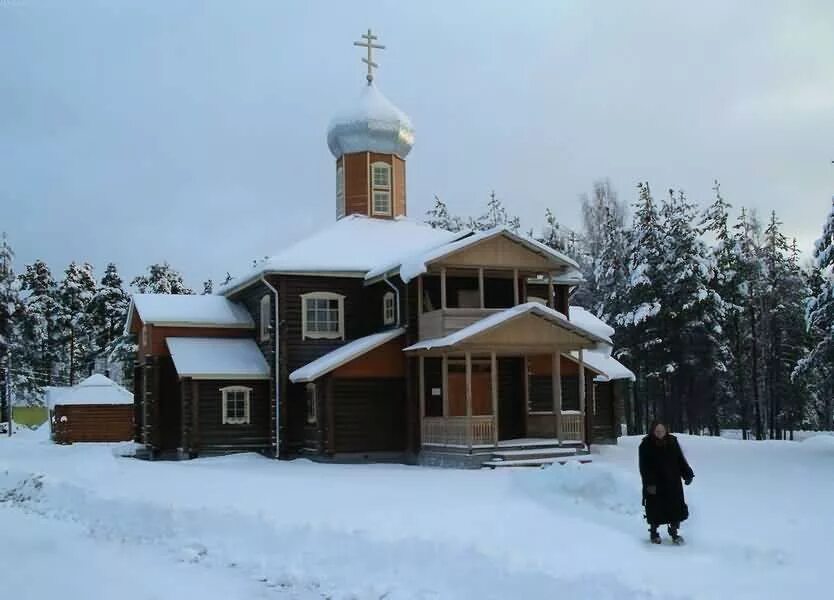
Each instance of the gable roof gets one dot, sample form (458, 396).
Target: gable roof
(218, 358)
(496, 319)
(96, 389)
(351, 246)
(417, 263)
(342, 355)
(188, 311)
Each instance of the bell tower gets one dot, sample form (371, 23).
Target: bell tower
(370, 141)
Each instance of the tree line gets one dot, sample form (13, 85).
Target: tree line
(722, 322)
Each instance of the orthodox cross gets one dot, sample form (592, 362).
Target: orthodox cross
(369, 44)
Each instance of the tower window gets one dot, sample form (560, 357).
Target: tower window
(389, 310)
(381, 188)
(340, 191)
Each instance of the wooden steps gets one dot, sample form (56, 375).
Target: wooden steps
(538, 453)
(537, 462)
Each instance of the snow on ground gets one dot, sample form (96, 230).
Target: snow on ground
(249, 527)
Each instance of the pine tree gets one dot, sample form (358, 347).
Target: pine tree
(38, 332)
(108, 310)
(208, 287)
(495, 216)
(161, 279)
(74, 321)
(439, 218)
(9, 310)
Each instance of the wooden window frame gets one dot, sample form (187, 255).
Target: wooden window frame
(312, 403)
(145, 338)
(389, 309)
(265, 318)
(306, 334)
(381, 189)
(247, 414)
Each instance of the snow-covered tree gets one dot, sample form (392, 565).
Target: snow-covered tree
(439, 218)
(75, 323)
(208, 287)
(495, 216)
(38, 332)
(108, 310)
(161, 279)
(9, 310)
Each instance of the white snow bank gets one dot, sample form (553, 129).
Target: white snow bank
(218, 358)
(350, 351)
(203, 310)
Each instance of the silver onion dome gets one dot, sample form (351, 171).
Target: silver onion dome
(374, 124)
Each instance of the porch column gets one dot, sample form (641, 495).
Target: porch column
(443, 288)
(445, 369)
(481, 286)
(582, 382)
(469, 398)
(419, 295)
(421, 387)
(551, 299)
(493, 371)
(556, 383)
(515, 287)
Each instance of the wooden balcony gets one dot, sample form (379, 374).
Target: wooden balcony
(441, 322)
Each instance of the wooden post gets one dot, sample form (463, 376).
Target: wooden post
(515, 287)
(551, 299)
(469, 398)
(443, 288)
(481, 286)
(581, 382)
(419, 296)
(445, 369)
(195, 417)
(556, 383)
(421, 386)
(493, 372)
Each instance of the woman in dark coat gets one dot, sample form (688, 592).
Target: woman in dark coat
(662, 467)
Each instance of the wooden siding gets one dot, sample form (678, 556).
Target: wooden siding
(400, 206)
(158, 334)
(211, 436)
(541, 364)
(93, 423)
(511, 408)
(357, 183)
(606, 418)
(498, 252)
(369, 415)
(387, 360)
(541, 392)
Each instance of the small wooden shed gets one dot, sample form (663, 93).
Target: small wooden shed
(96, 410)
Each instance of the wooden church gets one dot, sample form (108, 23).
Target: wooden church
(379, 337)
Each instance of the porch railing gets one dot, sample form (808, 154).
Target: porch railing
(456, 431)
(572, 426)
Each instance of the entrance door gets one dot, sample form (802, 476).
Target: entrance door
(511, 410)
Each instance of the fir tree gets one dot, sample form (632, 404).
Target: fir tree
(439, 218)
(208, 287)
(495, 216)
(9, 309)
(38, 332)
(74, 321)
(161, 279)
(108, 310)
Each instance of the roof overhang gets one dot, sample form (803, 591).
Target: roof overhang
(343, 355)
(218, 358)
(524, 329)
(249, 280)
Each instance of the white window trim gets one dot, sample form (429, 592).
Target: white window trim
(327, 335)
(312, 415)
(265, 318)
(382, 188)
(389, 309)
(340, 192)
(246, 397)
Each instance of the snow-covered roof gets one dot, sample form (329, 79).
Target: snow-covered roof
(96, 389)
(218, 358)
(589, 321)
(498, 318)
(188, 311)
(416, 264)
(608, 367)
(352, 246)
(350, 351)
(372, 124)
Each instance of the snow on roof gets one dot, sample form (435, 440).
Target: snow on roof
(417, 264)
(589, 321)
(96, 389)
(188, 311)
(353, 245)
(603, 363)
(496, 319)
(218, 358)
(335, 359)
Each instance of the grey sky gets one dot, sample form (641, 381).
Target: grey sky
(194, 132)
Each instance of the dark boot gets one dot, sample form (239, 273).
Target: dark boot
(673, 533)
(654, 536)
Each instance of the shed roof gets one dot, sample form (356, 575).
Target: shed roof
(96, 389)
(218, 358)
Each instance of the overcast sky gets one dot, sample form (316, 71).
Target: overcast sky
(194, 132)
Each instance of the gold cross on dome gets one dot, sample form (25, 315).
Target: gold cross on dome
(369, 44)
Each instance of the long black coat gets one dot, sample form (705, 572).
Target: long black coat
(663, 465)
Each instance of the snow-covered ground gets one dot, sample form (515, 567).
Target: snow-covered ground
(82, 521)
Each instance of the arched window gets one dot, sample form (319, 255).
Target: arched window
(340, 192)
(381, 188)
(389, 308)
